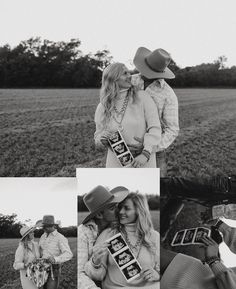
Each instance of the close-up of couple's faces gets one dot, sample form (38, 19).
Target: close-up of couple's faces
(125, 212)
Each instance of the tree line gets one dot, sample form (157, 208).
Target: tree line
(37, 63)
(153, 203)
(10, 228)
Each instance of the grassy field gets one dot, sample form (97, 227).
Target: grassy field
(50, 132)
(155, 219)
(10, 279)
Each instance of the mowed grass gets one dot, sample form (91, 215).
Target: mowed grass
(10, 279)
(50, 132)
(155, 219)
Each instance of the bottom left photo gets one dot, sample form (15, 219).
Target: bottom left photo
(38, 233)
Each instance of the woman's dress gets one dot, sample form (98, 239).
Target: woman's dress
(140, 120)
(23, 257)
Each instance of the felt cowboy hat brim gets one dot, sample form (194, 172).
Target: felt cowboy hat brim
(118, 195)
(140, 61)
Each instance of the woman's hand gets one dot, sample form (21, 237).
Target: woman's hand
(211, 248)
(139, 161)
(105, 136)
(98, 252)
(150, 274)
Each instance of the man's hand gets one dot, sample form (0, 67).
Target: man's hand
(211, 247)
(98, 252)
(51, 259)
(139, 161)
(136, 149)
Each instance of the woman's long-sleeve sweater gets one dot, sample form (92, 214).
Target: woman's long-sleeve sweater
(140, 120)
(110, 273)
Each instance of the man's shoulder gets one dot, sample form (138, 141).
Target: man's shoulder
(167, 87)
(60, 236)
(87, 229)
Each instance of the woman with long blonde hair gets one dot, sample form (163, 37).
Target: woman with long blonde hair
(136, 227)
(131, 112)
(27, 252)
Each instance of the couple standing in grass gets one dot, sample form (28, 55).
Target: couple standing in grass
(143, 107)
(40, 263)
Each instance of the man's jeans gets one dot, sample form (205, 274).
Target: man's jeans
(161, 163)
(53, 284)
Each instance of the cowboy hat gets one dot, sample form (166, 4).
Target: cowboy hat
(153, 64)
(25, 230)
(100, 198)
(48, 220)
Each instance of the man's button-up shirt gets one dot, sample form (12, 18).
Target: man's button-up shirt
(55, 245)
(167, 105)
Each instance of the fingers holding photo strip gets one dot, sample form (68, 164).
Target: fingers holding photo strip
(150, 274)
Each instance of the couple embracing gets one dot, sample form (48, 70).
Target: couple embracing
(40, 263)
(110, 213)
(143, 107)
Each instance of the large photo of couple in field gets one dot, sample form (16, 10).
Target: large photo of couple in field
(54, 92)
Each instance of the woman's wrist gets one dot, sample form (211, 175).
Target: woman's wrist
(212, 260)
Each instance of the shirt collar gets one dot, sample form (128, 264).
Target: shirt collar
(52, 233)
(159, 82)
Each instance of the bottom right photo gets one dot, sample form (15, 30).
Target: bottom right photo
(198, 233)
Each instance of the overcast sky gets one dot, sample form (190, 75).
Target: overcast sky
(32, 198)
(145, 180)
(192, 31)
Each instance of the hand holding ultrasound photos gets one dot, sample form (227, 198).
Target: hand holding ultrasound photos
(190, 236)
(149, 274)
(105, 138)
(211, 247)
(124, 257)
(120, 148)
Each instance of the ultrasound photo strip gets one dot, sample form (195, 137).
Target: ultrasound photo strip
(191, 236)
(120, 149)
(123, 257)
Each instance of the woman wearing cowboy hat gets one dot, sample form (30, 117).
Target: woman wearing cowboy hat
(131, 112)
(27, 252)
(137, 229)
(101, 204)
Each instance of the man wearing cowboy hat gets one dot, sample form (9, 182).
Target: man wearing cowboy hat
(102, 206)
(152, 67)
(54, 247)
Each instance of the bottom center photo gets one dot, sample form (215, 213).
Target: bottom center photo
(118, 228)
